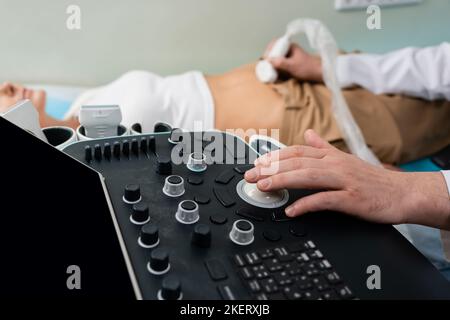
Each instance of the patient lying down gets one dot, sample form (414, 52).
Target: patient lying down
(237, 100)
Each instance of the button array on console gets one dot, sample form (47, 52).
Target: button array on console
(118, 149)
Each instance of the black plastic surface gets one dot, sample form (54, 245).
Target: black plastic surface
(350, 245)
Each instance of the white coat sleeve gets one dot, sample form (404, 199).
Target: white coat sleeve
(422, 73)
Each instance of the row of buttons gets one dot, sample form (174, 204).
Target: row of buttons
(119, 149)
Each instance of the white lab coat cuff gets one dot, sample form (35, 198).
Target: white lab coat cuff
(344, 71)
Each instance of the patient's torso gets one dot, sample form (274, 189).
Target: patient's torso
(241, 101)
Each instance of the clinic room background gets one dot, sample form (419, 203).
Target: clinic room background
(172, 36)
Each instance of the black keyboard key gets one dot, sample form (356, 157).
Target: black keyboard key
(311, 295)
(344, 292)
(202, 199)
(239, 260)
(249, 214)
(216, 270)
(309, 266)
(279, 216)
(260, 272)
(282, 254)
(320, 283)
(304, 283)
(254, 286)
(246, 273)
(310, 245)
(282, 278)
(333, 277)
(269, 285)
(242, 169)
(195, 180)
(303, 257)
(324, 265)
(317, 254)
(292, 293)
(271, 235)
(330, 295)
(226, 292)
(262, 296)
(252, 258)
(224, 197)
(266, 254)
(273, 265)
(225, 177)
(293, 268)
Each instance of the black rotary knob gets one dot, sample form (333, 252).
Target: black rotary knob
(140, 213)
(107, 151)
(144, 144)
(132, 193)
(116, 149)
(149, 237)
(163, 165)
(126, 148)
(98, 152)
(201, 236)
(152, 144)
(176, 136)
(159, 261)
(170, 289)
(88, 153)
(135, 146)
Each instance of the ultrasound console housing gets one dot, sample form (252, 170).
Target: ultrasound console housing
(179, 232)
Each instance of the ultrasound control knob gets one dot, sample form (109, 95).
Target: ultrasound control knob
(88, 153)
(149, 237)
(201, 236)
(187, 212)
(116, 149)
(176, 136)
(126, 148)
(197, 162)
(163, 165)
(135, 147)
(107, 151)
(132, 194)
(174, 186)
(98, 152)
(159, 262)
(242, 232)
(170, 289)
(140, 214)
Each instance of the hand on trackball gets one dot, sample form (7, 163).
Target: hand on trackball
(352, 185)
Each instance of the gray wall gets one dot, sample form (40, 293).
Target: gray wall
(171, 36)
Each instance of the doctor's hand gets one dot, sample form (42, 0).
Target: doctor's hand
(298, 63)
(352, 186)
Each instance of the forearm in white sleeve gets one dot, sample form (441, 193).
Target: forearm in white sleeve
(423, 73)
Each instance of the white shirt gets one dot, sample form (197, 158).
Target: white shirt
(182, 101)
(422, 73)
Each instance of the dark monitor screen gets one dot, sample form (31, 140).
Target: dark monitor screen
(54, 215)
